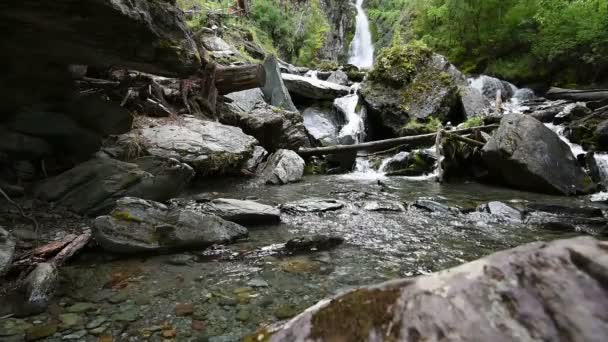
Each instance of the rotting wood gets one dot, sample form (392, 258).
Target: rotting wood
(418, 140)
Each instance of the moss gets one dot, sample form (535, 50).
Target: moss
(125, 216)
(315, 168)
(355, 76)
(353, 316)
(416, 127)
(398, 64)
(327, 65)
(475, 121)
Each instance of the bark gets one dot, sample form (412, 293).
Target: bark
(232, 79)
(415, 140)
(577, 95)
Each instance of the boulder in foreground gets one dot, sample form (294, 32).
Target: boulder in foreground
(282, 167)
(536, 292)
(136, 226)
(525, 154)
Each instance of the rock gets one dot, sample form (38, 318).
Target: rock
(386, 206)
(243, 212)
(7, 250)
(64, 133)
(127, 313)
(341, 17)
(257, 283)
(94, 186)
(82, 307)
(313, 89)
(99, 115)
(415, 163)
(38, 332)
(313, 243)
(322, 125)
(273, 127)
(215, 43)
(312, 205)
(502, 210)
(19, 146)
(601, 135)
(571, 112)
(483, 300)
(78, 335)
(259, 156)
(490, 86)
(431, 91)
(523, 153)
(432, 206)
(286, 311)
(36, 290)
(209, 147)
(184, 309)
(96, 322)
(338, 77)
(274, 90)
(586, 220)
(282, 167)
(164, 47)
(473, 102)
(246, 100)
(180, 260)
(136, 225)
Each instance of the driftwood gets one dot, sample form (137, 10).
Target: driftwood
(418, 140)
(231, 79)
(577, 95)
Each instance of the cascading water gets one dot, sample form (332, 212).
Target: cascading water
(362, 48)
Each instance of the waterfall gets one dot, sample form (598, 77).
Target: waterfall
(362, 48)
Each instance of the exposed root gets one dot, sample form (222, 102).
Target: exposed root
(23, 214)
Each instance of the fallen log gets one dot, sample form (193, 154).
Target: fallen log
(232, 79)
(419, 140)
(577, 95)
(72, 248)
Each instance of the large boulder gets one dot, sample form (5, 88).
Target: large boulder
(313, 89)
(273, 127)
(525, 154)
(490, 87)
(410, 82)
(209, 147)
(137, 225)
(7, 250)
(540, 291)
(282, 167)
(150, 36)
(94, 186)
(242, 212)
(322, 124)
(275, 92)
(338, 77)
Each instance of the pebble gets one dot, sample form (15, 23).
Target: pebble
(243, 315)
(70, 319)
(96, 322)
(99, 330)
(286, 311)
(81, 307)
(184, 309)
(198, 325)
(128, 314)
(257, 282)
(118, 297)
(76, 335)
(40, 331)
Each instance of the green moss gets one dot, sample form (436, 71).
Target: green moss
(417, 127)
(316, 167)
(475, 121)
(125, 216)
(326, 65)
(398, 64)
(353, 316)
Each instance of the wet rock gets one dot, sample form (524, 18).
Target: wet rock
(416, 163)
(7, 250)
(38, 332)
(322, 125)
(209, 147)
(215, 43)
(313, 243)
(338, 77)
(275, 92)
(34, 294)
(553, 217)
(257, 159)
(137, 225)
(78, 335)
(313, 89)
(282, 167)
(388, 206)
(432, 206)
(81, 307)
(525, 154)
(502, 211)
(491, 86)
(184, 309)
(571, 112)
(273, 127)
(257, 282)
(473, 102)
(127, 313)
(564, 277)
(69, 320)
(13, 327)
(119, 297)
(312, 205)
(286, 311)
(96, 322)
(246, 100)
(94, 186)
(243, 212)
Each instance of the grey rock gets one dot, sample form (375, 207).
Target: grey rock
(78, 335)
(322, 125)
(94, 186)
(523, 153)
(313, 89)
(432, 206)
(587, 220)
(313, 243)
(312, 205)
(243, 212)
(473, 102)
(7, 250)
(558, 286)
(209, 147)
(257, 282)
(338, 77)
(282, 167)
(136, 225)
(275, 92)
(385, 205)
(36, 290)
(96, 322)
(502, 210)
(215, 43)
(19, 146)
(257, 159)
(490, 86)
(571, 112)
(246, 100)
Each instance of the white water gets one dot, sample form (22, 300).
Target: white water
(353, 131)
(362, 48)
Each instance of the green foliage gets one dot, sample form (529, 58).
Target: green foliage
(325, 65)
(416, 127)
(397, 64)
(475, 121)
(559, 41)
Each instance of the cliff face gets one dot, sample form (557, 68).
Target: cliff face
(341, 15)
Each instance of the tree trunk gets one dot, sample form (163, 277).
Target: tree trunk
(231, 79)
(416, 140)
(577, 95)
